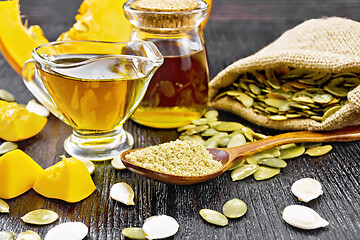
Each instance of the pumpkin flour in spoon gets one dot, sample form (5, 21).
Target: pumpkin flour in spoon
(182, 158)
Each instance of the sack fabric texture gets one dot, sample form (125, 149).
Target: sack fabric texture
(330, 45)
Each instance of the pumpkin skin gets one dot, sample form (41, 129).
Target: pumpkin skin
(16, 40)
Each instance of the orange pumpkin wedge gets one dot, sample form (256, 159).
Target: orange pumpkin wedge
(68, 180)
(17, 123)
(101, 20)
(16, 40)
(18, 173)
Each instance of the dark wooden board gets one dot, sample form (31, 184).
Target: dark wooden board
(237, 28)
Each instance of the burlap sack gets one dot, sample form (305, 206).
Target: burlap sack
(329, 45)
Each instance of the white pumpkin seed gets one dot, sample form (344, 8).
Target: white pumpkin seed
(34, 107)
(6, 96)
(319, 150)
(68, 230)
(161, 226)
(234, 208)
(28, 235)
(7, 235)
(306, 189)
(264, 173)
(123, 193)
(88, 164)
(117, 163)
(4, 207)
(303, 217)
(40, 217)
(134, 233)
(7, 147)
(213, 217)
(243, 171)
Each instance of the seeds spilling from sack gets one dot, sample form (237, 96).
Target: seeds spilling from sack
(286, 93)
(212, 133)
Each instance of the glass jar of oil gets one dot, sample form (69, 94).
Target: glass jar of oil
(178, 91)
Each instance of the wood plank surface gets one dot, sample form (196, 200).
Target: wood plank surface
(236, 29)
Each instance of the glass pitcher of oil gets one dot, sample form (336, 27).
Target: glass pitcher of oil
(178, 91)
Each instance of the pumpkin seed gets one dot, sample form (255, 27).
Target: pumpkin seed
(7, 147)
(40, 217)
(223, 141)
(28, 235)
(213, 217)
(195, 138)
(134, 233)
(277, 117)
(272, 162)
(292, 152)
(209, 132)
(330, 112)
(186, 127)
(234, 208)
(254, 89)
(123, 193)
(306, 189)
(264, 173)
(248, 133)
(4, 207)
(322, 98)
(161, 226)
(6, 96)
(237, 139)
(34, 107)
(237, 165)
(245, 99)
(243, 172)
(303, 217)
(318, 151)
(117, 163)
(213, 141)
(233, 93)
(200, 121)
(211, 114)
(88, 164)
(68, 230)
(228, 126)
(7, 235)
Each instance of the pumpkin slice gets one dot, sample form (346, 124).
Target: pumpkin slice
(68, 180)
(16, 40)
(17, 123)
(100, 20)
(18, 173)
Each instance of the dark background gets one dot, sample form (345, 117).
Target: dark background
(236, 29)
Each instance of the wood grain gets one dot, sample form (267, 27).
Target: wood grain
(236, 29)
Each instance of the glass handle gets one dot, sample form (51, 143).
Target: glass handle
(37, 89)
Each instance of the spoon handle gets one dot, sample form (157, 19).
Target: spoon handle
(340, 135)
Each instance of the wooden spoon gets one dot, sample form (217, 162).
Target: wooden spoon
(230, 156)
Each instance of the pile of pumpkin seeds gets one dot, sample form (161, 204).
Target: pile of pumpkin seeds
(286, 93)
(212, 133)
